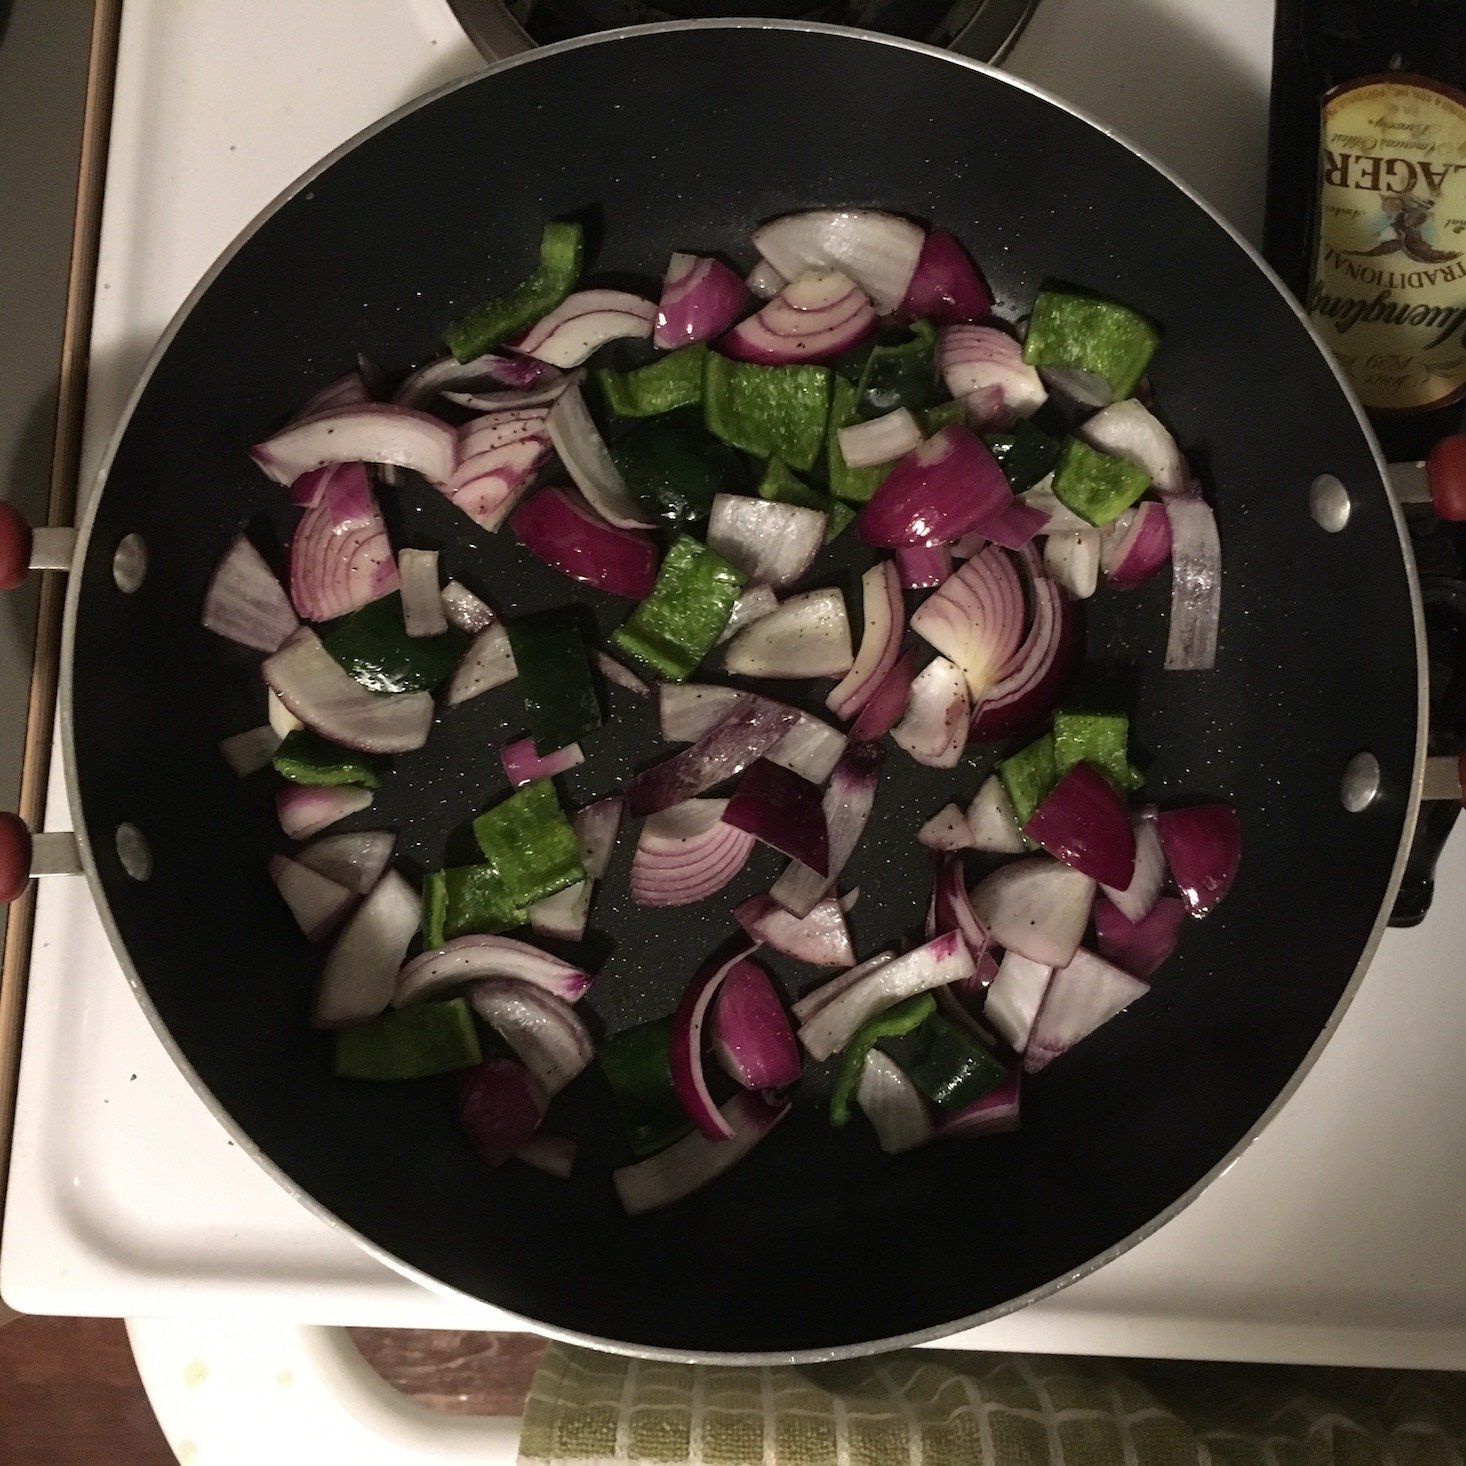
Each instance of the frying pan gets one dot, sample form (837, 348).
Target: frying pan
(685, 136)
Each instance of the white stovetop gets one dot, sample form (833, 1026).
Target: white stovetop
(1335, 1238)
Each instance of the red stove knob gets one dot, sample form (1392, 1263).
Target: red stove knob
(15, 856)
(15, 547)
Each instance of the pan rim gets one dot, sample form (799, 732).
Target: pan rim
(829, 1353)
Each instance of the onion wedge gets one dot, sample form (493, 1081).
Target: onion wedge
(565, 914)
(244, 601)
(688, 710)
(545, 1032)
(1196, 585)
(816, 317)
(1080, 996)
(933, 729)
(1037, 907)
(488, 663)
(880, 641)
(751, 1036)
(1129, 430)
(563, 530)
(588, 462)
(686, 853)
(306, 809)
(822, 939)
(772, 543)
(361, 971)
(476, 958)
(808, 636)
(948, 486)
(947, 830)
(878, 251)
(992, 821)
(498, 455)
(701, 298)
(356, 860)
(975, 619)
(584, 322)
(318, 905)
(893, 1105)
(374, 432)
(684, 1046)
(1015, 997)
(984, 367)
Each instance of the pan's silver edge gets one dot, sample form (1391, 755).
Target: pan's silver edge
(809, 1356)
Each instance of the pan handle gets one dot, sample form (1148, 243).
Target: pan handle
(23, 855)
(23, 549)
(1439, 481)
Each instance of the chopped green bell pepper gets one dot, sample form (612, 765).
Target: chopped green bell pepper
(562, 249)
(1096, 486)
(1087, 333)
(679, 623)
(1025, 453)
(900, 374)
(530, 843)
(767, 409)
(554, 678)
(1101, 739)
(673, 381)
(373, 645)
(465, 899)
(943, 415)
(949, 1066)
(307, 758)
(410, 1043)
(1028, 776)
(892, 1023)
(781, 484)
(853, 484)
(674, 467)
(637, 1066)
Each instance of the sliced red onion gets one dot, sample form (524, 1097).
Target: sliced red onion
(996, 1113)
(622, 676)
(1139, 947)
(949, 485)
(1015, 997)
(947, 830)
(772, 543)
(306, 491)
(880, 440)
(947, 289)
(806, 1007)
(933, 729)
(751, 1035)
(1030, 686)
(245, 602)
(1196, 585)
(689, 710)
(753, 605)
(846, 806)
(498, 454)
(808, 636)
(356, 860)
(547, 1035)
(565, 914)
(821, 938)
(781, 810)
(348, 391)
(422, 599)
(552, 1154)
(500, 1105)
(764, 281)
(684, 1046)
(1130, 431)
(942, 960)
(1084, 823)
(488, 663)
(880, 640)
(306, 809)
(888, 702)
(690, 1163)
(1203, 845)
(360, 972)
(541, 395)
(701, 298)
(519, 373)
(952, 907)
(464, 610)
(340, 556)
(248, 752)
(923, 567)
(1144, 888)
(1136, 545)
(878, 251)
(751, 727)
(1073, 560)
(975, 619)
(1058, 518)
(318, 905)
(375, 432)
(584, 322)
(992, 822)
(588, 462)
(331, 702)
(686, 853)
(1080, 997)
(1037, 907)
(478, 958)
(986, 364)
(893, 1105)
(1016, 526)
(564, 531)
(523, 765)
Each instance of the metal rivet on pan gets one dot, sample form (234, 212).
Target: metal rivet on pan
(130, 563)
(1359, 787)
(133, 851)
(1329, 503)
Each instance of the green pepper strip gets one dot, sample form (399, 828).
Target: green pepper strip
(411, 1043)
(307, 758)
(1090, 334)
(1096, 486)
(1025, 453)
(636, 1064)
(1100, 739)
(679, 623)
(781, 484)
(562, 248)
(767, 409)
(904, 375)
(1028, 776)
(943, 415)
(555, 679)
(662, 386)
(530, 843)
(467, 899)
(950, 1067)
(373, 645)
(892, 1023)
(853, 484)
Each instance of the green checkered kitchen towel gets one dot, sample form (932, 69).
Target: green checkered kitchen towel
(951, 1409)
